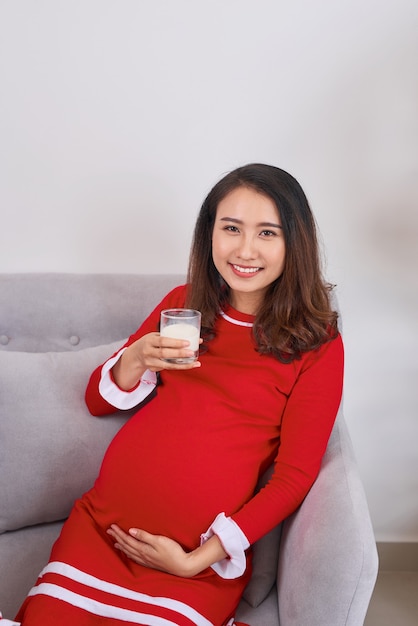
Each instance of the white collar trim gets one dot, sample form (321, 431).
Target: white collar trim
(236, 322)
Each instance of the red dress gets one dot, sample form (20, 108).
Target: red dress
(195, 450)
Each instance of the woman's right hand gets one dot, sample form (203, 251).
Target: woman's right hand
(147, 353)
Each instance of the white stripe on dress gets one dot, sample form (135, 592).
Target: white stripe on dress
(99, 608)
(68, 571)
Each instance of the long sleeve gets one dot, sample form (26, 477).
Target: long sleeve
(102, 395)
(307, 422)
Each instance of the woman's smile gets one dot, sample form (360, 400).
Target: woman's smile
(247, 272)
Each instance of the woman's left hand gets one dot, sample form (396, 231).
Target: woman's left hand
(154, 551)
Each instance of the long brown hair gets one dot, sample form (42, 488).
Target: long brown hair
(296, 314)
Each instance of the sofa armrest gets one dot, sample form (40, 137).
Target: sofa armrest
(328, 559)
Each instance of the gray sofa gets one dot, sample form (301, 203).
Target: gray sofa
(317, 569)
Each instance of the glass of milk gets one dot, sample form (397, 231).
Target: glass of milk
(182, 324)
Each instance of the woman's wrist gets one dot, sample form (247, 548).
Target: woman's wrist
(127, 371)
(205, 555)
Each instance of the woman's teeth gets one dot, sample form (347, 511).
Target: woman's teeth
(246, 270)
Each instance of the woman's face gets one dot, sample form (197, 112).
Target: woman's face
(248, 246)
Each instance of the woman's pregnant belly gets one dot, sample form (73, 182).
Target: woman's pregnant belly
(170, 475)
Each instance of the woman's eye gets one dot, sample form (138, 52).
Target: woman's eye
(231, 229)
(268, 233)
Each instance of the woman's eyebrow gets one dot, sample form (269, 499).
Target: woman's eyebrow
(261, 224)
(269, 225)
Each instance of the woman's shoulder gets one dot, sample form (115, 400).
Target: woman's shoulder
(331, 349)
(176, 297)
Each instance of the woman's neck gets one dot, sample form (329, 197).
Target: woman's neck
(248, 303)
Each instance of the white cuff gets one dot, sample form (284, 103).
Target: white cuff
(233, 541)
(7, 622)
(118, 398)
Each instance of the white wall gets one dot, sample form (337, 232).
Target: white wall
(117, 116)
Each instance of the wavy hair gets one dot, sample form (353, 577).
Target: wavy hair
(296, 315)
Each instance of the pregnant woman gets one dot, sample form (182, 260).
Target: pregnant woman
(164, 536)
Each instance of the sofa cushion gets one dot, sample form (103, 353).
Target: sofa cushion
(50, 446)
(265, 559)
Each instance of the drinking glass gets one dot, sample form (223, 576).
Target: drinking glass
(182, 324)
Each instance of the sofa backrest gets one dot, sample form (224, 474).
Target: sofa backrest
(55, 329)
(61, 312)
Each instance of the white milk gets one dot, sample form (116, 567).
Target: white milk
(183, 331)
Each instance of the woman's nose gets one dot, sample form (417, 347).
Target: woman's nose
(247, 248)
